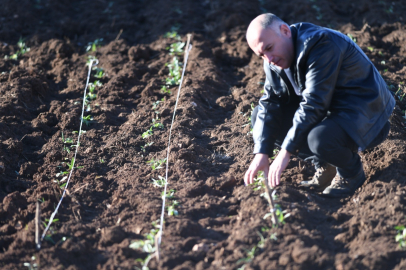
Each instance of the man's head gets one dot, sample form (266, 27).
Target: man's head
(270, 38)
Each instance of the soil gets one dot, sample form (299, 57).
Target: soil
(111, 200)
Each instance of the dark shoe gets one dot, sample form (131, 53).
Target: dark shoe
(342, 187)
(322, 178)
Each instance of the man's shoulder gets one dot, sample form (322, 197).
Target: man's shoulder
(308, 31)
(307, 34)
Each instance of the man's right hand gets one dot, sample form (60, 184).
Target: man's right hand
(259, 163)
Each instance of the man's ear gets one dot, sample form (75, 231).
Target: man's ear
(285, 30)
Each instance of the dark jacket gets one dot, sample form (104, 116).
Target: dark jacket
(336, 79)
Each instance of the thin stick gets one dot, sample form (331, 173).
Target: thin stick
(119, 34)
(37, 224)
(271, 203)
(187, 49)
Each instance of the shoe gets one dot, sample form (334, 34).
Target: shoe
(342, 187)
(322, 178)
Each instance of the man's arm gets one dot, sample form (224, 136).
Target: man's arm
(267, 124)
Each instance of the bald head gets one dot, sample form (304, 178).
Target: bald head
(270, 38)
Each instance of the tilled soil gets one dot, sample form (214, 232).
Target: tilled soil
(111, 200)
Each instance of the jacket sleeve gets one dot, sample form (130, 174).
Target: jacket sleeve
(322, 67)
(268, 120)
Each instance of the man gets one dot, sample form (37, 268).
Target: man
(323, 100)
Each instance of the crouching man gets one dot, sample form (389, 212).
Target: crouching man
(324, 100)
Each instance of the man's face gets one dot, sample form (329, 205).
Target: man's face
(273, 45)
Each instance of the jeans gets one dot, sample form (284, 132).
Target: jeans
(327, 142)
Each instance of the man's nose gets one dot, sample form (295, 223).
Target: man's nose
(268, 57)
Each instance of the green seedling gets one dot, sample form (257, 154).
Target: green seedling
(99, 73)
(171, 209)
(160, 182)
(165, 90)
(144, 263)
(172, 34)
(147, 133)
(170, 194)
(281, 214)
(157, 164)
(370, 49)
(156, 103)
(143, 148)
(31, 265)
(148, 244)
(102, 160)
(250, 255)
(401, 236)
(87, 120)
(155, 124)
(174, 73)
(90, 58)
(176, 48)
(92, 46)
(22, 50)
(352, 37)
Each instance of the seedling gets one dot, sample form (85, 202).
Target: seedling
(90, 58)
(352, 37)
(87, 120)
(172, 34)
(143, 148)
(144, 263)
(31, 265)
(155, 124)
(22, 50)
(281, 214)
(92, 46)
(165, 90)
(156, 103)
(147, 133)
(174, 73)
(401, 236)
(370, 49)
(176, 48)
(170, 194)
(160, 182)
(171, 209)
(157, 164)
(99, 72)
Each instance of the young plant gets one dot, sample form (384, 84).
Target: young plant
(401, 236)
(99, 72)
(157, 164)
(92, 46)
(281, 214)
(165, 90)
(22, 50)
(160, 182)
(87, 120)
(172, 34)
(90, 58)
(171, 209)
(143, 147)
(174, 73)
(31, 265)
(170, 194)
(176, 48)
(147, 133)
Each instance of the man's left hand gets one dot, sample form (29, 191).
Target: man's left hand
(277, 167)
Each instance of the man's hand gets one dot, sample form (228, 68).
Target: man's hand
(259, 163)
(277, 167)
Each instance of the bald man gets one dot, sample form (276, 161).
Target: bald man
(324, 100)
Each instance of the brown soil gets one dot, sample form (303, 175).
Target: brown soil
(111, 200)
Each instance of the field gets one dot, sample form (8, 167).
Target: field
(113, 202)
